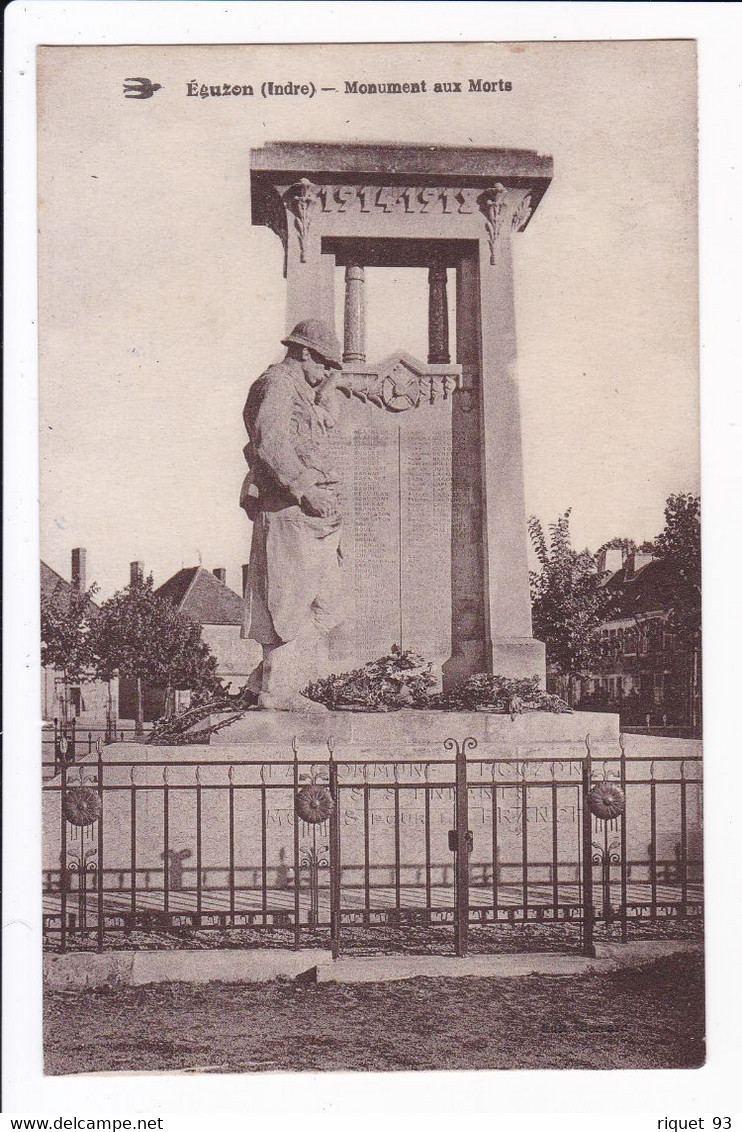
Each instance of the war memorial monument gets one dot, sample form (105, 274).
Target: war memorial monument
(388, 509)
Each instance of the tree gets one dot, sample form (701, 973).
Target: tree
(627, 545)
(66, 621)
(567, 599)
(143, 636)
(679, 548)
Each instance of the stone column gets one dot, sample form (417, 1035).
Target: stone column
(437, 316)
(469, 652)
(512, 649)
(354, 344)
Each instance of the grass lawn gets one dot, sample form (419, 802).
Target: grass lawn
(647, 1018)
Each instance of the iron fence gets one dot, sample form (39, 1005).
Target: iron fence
(306, 844)
(66, 742)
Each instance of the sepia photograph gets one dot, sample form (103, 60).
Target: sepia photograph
(370, 557)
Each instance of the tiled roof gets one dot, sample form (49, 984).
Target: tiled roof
(176, 588)
(202, 597)
(643, 592)
(52, 582)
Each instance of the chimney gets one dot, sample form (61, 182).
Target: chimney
(79, 556)
(221, 574)
(610, 559)
(642, 559)
(136, 573)
(245, 571)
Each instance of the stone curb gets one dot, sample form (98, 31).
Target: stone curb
(137, 968)
(393, 968)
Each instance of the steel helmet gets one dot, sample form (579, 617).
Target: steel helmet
(317, 336)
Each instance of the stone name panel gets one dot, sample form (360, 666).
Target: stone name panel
(396, 543)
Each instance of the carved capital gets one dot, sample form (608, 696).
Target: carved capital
(302, 198)
(493, 203)
(522, 213)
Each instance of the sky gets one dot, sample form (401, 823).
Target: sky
(160, 303)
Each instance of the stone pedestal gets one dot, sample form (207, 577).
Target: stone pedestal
(410, 733)
(435, 527)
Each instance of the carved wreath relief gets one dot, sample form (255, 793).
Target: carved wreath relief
(400, 383)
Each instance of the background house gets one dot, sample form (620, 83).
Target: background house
(88, 701)
(643, 670)
(205, 598)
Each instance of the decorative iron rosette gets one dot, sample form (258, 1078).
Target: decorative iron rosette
(81, 805)
(606, 800)
(314, 804)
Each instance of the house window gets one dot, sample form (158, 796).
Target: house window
(75, 701)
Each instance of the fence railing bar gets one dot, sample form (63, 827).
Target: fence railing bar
(264, 851)
(165, 843)
(397, 849)
(495, 850)
(64, 870)
(133, 851)
(335, 861)
(297, 858)
(683, 862)
(100, 863)
(230, 823)
(588, 910)
(554, 850)
(624, 846)
(199, 848)
(367, 848)
(653, 847)
(524, 845)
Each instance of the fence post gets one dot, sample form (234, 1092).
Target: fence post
(588, 911)
(334, 857)
(461, 843)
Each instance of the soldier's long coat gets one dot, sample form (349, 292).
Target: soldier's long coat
(294, 572)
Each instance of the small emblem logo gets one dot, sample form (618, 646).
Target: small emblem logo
(140, 88)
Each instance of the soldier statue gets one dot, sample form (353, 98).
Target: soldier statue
(293, 592)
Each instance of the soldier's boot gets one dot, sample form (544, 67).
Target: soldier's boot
(281, 673)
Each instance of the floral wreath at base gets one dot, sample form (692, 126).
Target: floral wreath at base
(82, 805)
(314, 804)
(606, 801)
